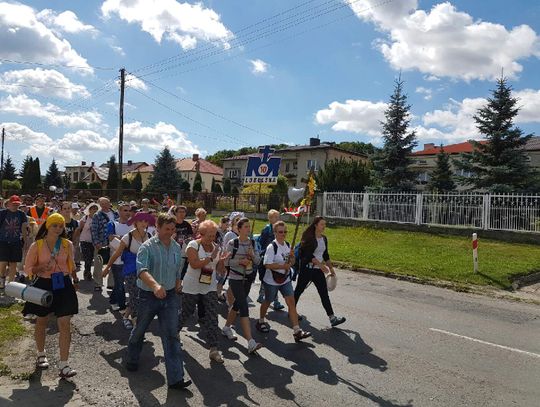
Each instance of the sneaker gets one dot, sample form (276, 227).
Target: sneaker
(216, 356)
(181, 385)
(29, 317)
(299, 335)
(253, 346)
(260, 299)
(335, 321)
(229, 333)
(115, 307)
(278, 306)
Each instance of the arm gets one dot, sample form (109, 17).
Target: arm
(71, 261)
(31, 266)
(113, 258)
(193, 258)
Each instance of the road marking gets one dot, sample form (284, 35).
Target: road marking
(524, 352)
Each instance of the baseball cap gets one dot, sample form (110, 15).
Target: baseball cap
(14, 199)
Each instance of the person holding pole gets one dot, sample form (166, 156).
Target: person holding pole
(315, 265)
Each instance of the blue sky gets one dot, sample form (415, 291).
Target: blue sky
(226, 74)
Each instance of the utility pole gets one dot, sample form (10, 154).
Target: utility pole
(2, 162)
(121, 132)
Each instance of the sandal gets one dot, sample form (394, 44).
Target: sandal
(263, 327)
(42, 362)
(299, 335)
(66, 372)
(216, 356)
(128, 324)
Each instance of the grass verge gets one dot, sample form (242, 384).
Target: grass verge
(12, 328)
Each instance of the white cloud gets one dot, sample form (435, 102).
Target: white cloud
(447, 42)
(427, 92)
(118, 50)
(133, 82)
(183, 23)
(22, 105)
(258, 66)
(357, 116)
(66, 21)
(455, 122)
(21, 133)
(159, 136)
(46, 82)
(24, 37)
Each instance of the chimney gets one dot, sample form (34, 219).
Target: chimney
(195, 157)
(93, 163)
(83, 163)
(130, 162)
(429, 146)
(314, 141)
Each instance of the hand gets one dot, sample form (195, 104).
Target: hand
(224, 256)
(244, 262)
(291, 257)
(105, 271)
(325, 269)
(160, 292)
(99, 246)
(76, 285)
(178, 287)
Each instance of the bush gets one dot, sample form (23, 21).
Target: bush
(81, 185)
(8, 185)
(192, 206)
(94, 185)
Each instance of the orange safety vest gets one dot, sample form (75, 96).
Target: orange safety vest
(44, 215)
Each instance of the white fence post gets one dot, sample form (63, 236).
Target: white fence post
(365, 206)
(419, 202)
(485, 215)
(352, 205)
(324, 204)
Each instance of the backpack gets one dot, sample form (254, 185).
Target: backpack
(236, 245)
(278, 277)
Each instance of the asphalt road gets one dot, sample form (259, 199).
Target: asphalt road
(402, 345)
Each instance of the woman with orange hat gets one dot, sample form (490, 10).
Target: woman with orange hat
(50, 260)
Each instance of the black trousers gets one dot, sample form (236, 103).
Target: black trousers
(316, 276)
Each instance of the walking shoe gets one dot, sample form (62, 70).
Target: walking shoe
(115, 307)
(299, 335)
(181, 385)
(278, 306)
(253, 346)
(260, 299)
(216, 356)
(335, 321)
(229, 333)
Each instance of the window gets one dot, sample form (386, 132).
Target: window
(295, 165)
(75, 177)
(423, 177)
(234, 173)
(312, 164)
(287, 167)
(464, 173)
(422, 162)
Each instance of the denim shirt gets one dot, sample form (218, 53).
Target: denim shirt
(163, 263)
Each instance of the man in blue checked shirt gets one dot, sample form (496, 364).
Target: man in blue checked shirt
(159, 265)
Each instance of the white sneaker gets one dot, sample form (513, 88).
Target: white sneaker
(253, 346)
(229, 333)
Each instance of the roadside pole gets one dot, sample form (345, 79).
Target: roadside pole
(475, 252)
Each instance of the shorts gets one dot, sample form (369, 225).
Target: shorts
(64, 302)
(270, 291)
(11, 252)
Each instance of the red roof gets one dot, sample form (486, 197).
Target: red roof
(241, 157)
(465, 147)
(146, 168)
(205, 167)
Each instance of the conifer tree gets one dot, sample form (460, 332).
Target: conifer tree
(442, 177)
(53, 177)
(136, 182)
(112, 180)
(166, 177)
(197, 182)
(9, 171)
(392, 163)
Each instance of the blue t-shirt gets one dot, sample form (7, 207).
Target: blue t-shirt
(11, 226)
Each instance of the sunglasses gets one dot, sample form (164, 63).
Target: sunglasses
(282, 232)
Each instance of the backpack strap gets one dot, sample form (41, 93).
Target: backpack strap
(130, 239)
(274, 244)
(236, 245)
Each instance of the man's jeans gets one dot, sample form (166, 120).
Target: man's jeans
(118, 295)
(167, 312)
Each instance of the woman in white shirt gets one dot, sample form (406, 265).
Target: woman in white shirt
(200, 282)
(278, 259)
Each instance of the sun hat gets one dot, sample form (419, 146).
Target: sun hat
(142, 216)
(75, 205)
(90, 205)
(54, 219)
(331, 282)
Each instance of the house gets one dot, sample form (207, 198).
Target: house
(296, 161)
(77, 173)
(128, 167)
(97, 174)
(146, 172)
(189, 167)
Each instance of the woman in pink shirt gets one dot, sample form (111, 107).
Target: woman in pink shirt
(50, 260)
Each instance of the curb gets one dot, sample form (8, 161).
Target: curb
(449, 285)
(526, 280)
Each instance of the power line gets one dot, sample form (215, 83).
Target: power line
(89, 67)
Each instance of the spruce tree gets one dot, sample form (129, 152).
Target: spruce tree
(136, 182)
(166, 177)
(499, 164)
(126, 183)
(227, 185)
(197, 182)
(53, 177)
(36, 174)
(442, 176)
(391, 164)
(9, 171)
(112, 180)
(26, 173)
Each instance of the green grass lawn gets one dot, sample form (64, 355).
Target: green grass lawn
(431, 256)
(11, 328)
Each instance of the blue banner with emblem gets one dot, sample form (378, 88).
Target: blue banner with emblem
(262, 169)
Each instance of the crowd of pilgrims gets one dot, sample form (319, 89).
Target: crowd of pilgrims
(153, 262)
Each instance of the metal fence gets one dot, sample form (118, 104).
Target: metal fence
(519, 213)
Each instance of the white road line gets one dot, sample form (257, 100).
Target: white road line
(535, 355)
